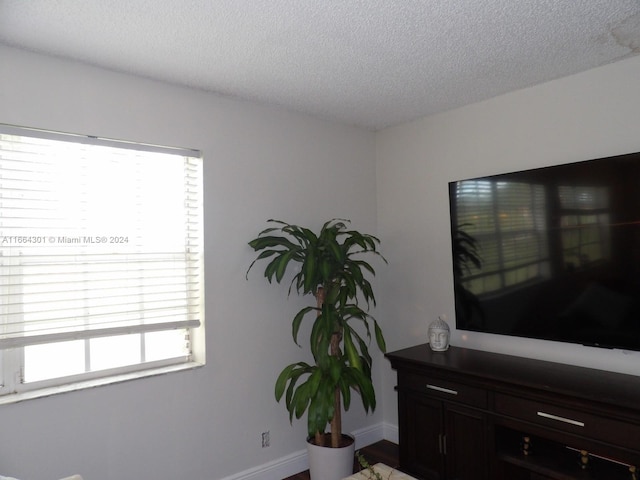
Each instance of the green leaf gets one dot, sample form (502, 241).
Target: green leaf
(283, 261)
(379, 337)
(345, 390)
(264, 254)
(337, 253)
(325, 269)
(365, 265)
(310, 281)
(261, 243)
(364, 350)
(270, 271)
(300, 400)
(350, 349)
(293, 380)
(282, 380)
(297, 320)
(314, 382)
(365, 388)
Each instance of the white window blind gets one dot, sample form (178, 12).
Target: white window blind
(507, 219)
(585, 224)
(97, 238)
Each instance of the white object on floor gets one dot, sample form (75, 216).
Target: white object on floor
(385, 471)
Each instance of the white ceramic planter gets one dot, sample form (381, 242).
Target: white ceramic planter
(331, 463)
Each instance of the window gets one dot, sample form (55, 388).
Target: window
(508, 221)
(584, 223)
(101, 258)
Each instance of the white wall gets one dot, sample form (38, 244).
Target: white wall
(260, 162)
(589, 115)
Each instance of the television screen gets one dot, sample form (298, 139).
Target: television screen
(551, 253)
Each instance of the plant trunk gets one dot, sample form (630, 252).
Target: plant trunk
(320, 296)
(336, 421)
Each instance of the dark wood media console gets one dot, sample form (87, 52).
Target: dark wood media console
(472, 415)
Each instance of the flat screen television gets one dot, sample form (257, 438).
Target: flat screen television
(550, 253)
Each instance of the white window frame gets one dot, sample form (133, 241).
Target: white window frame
(12, 354)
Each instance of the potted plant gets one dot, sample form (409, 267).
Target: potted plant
(329, 266)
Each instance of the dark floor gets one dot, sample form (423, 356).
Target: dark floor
(383, 451)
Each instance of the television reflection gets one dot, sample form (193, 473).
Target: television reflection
(551, 253)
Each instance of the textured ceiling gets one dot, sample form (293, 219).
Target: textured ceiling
(371, 63)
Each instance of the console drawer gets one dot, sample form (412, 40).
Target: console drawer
(445, 389)
(604, 429)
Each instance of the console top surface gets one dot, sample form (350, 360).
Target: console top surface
(496, 369)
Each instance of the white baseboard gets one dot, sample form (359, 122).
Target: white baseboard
(298, 462)
(368, 435)
(390, 432)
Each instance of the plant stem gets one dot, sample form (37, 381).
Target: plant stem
(320, 296)
(336, 421)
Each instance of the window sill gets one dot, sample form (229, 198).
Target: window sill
(96, 382)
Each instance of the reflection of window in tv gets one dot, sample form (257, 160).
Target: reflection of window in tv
(584, 223)
(587, 288)
(508, 220)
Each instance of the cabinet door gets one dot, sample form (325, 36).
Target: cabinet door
(466, 451)
(420, 423)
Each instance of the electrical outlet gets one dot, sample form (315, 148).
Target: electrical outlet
(266, 441)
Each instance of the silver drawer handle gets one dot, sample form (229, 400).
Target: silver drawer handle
(561, 419)
(441, 389)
